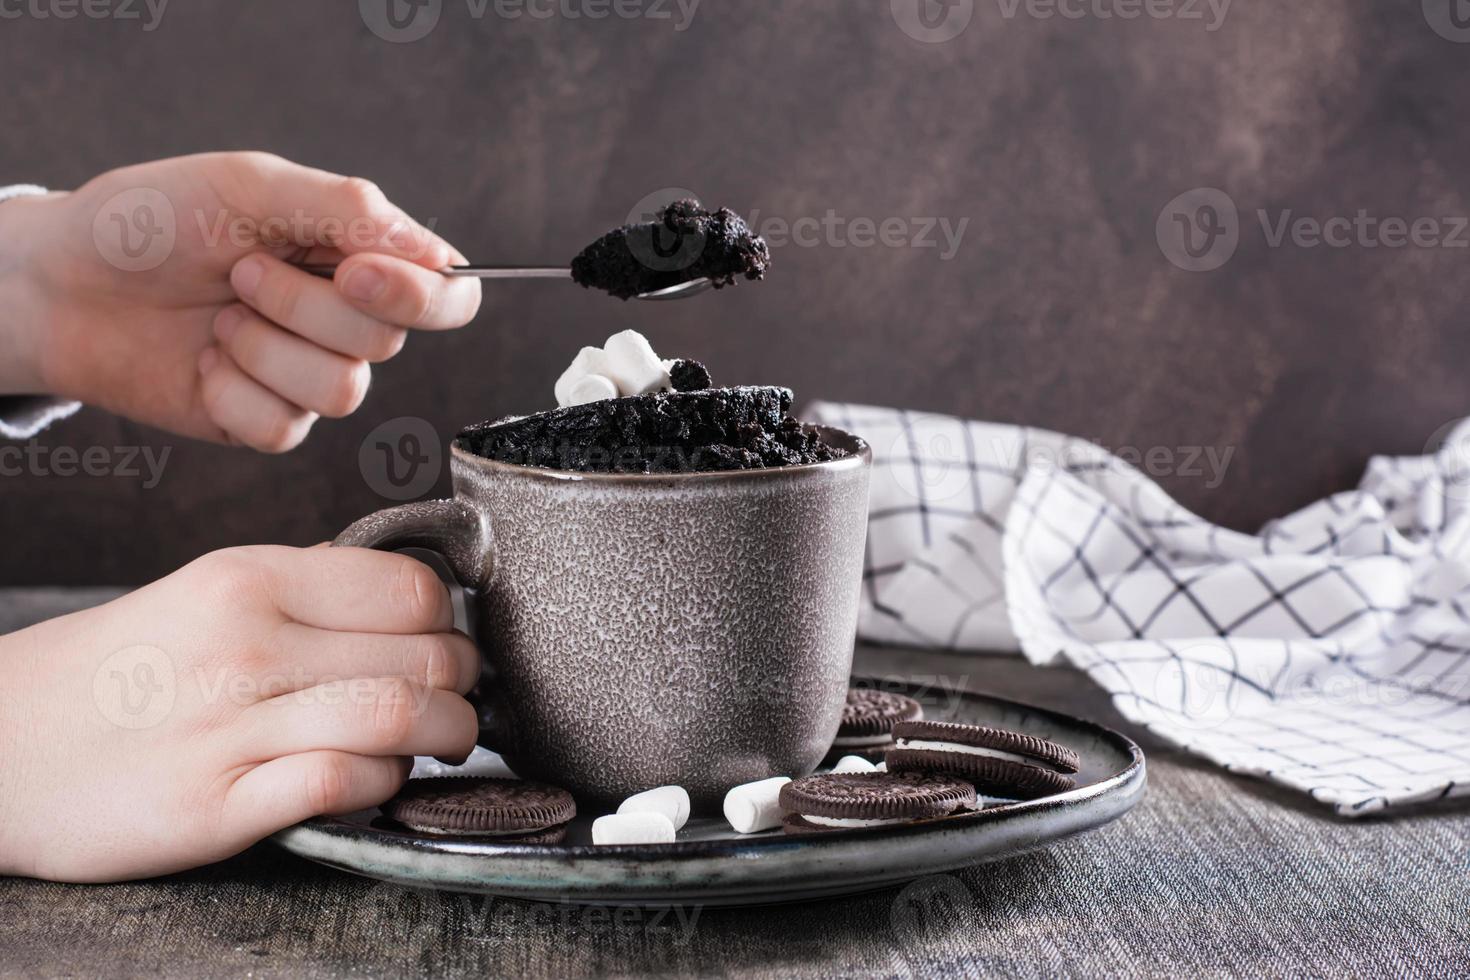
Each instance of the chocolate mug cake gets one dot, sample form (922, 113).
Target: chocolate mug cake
(667, 419)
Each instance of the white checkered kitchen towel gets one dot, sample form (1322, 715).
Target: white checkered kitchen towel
(1330, 652)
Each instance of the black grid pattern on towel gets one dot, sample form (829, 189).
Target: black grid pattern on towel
(1330, 653)
(941, 489)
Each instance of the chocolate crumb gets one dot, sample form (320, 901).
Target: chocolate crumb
(687, 375)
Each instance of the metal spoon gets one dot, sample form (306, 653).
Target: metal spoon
(677, 291)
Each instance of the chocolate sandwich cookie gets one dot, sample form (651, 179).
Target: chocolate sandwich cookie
(867, 722)
(998, 762)
(482, 806)
(837, 801)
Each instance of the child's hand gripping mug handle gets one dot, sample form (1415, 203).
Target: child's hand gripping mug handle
(450, 528)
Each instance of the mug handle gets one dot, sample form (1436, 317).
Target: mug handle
(449, 528)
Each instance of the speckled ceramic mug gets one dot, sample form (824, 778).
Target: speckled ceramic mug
(641, 630)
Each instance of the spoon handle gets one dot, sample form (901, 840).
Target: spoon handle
(472, 271)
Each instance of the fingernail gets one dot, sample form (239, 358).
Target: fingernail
(441, 253)
(246, 276)
(208, 358)
(227, 323)
(364, 284)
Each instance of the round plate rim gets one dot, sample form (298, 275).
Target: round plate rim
(298, 839)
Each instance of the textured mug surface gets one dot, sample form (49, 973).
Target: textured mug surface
(641, 630)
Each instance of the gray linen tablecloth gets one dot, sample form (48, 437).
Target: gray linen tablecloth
(1210, 875)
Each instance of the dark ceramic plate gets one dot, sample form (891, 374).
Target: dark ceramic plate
(711, 865)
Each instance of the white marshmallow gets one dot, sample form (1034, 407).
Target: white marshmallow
(671, 801)
(589, 360)
(633, 828)
(881, 767)
(755, 806)
(633, 365)
(593, 388)
(853, 763)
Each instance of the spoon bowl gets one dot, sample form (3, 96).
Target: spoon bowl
(681, 290)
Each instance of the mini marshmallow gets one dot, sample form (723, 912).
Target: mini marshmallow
(671, 801)
(589, 360)
(633, 828)
(755, 806)
(632, 364)
(881, 767)
(593, 388)
(853, 763)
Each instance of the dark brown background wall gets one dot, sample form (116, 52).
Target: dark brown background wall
(1059, 139)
